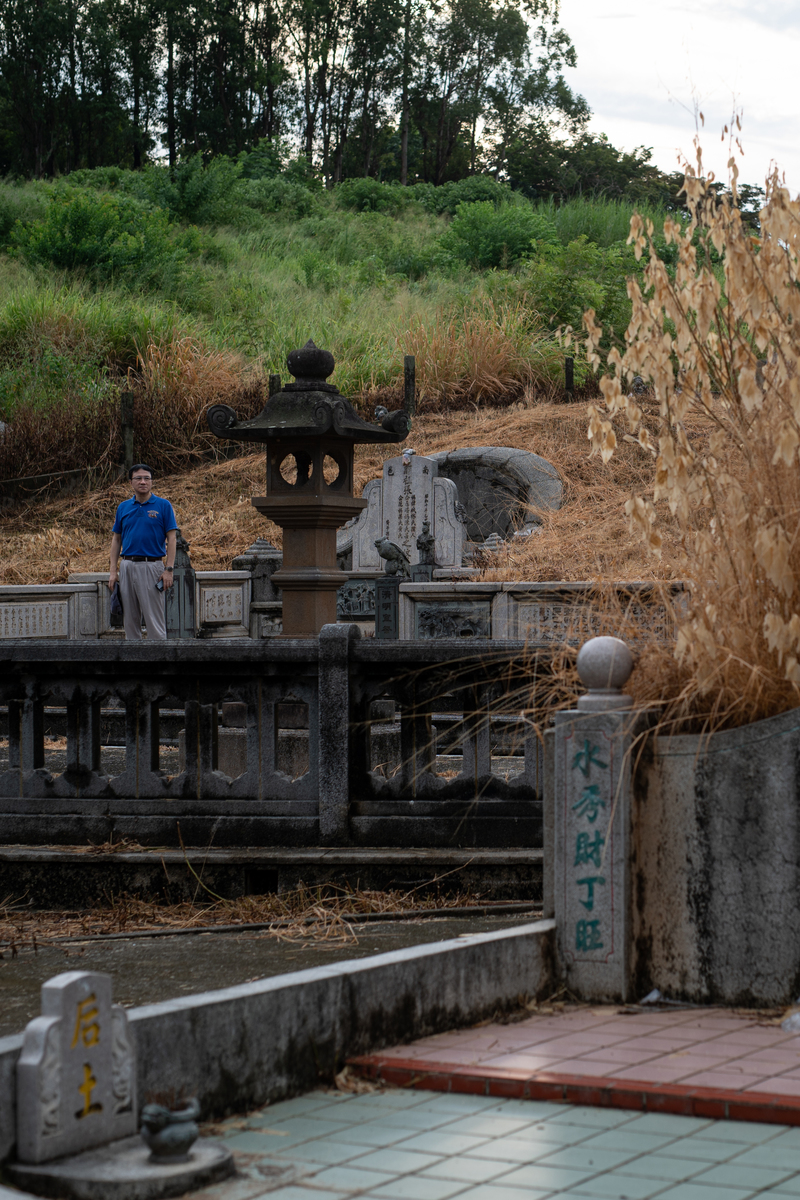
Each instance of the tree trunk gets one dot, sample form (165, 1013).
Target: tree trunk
(404, 103)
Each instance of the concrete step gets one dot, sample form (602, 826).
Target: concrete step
(80, 877)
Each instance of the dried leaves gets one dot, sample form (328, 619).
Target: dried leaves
(719, 340)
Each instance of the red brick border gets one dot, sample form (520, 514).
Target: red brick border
(720, 1103)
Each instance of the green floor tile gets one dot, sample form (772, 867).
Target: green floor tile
(625, 1138)
(374, 1134)
(345, 1179)
(668, 1123)
(293, 1192)
(258, 1143)
(585, 1158)
(514, 1150)
(450, 1102)
(696, 1191)
(327, 1150)
(579, 1114)
(401, 1162)
(744, 1131)
(555, 1178)
(304, 1128)
(494, 1191)
(735, 1174)
(414, 1187)
(671, 1167)
(469, 1170)
(617, 1187)
(489, 1125)
(439, 1141)
(771, 1154)
(706, 1149)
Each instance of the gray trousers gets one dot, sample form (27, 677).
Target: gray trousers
(137, 587)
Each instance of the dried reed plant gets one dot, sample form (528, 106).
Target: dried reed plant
(719, 341)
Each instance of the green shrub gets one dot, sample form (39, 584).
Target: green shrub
(369, 195)
(484, 236)
(27, 203)
(107, 235)
(447, 197)
(563, 281)
(201, 194)
(277, 194)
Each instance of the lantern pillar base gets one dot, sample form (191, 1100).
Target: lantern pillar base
(309, 578)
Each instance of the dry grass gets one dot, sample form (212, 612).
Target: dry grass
(481, 358)
(304, 915)
(587, 539)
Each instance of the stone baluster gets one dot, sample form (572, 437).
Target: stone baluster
(476, 744)
(141, 777)
(417, 741)
(25, 735)
(83, 736)
(333, 752)
(202, 743)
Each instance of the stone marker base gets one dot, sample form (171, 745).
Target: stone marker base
(124, 1170)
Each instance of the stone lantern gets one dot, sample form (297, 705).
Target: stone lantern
(310, 432)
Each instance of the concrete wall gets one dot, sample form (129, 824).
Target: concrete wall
(716, 865)
(243, 1046)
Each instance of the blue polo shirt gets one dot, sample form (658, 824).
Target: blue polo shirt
(144, 527)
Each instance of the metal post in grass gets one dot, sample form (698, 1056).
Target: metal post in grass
(126, 423)
(569, 376)
(410, 384)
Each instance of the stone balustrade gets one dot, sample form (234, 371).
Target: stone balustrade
(339, 799)
(228, 604)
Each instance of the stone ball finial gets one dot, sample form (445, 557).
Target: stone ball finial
(604, 667)
(310, 363)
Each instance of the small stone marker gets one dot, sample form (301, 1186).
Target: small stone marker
(387, 607)
(76, 1078)
(592, 826)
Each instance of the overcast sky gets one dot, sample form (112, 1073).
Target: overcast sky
(645, 67)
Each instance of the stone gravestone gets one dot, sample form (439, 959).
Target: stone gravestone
(77, 1113)
(410, 492)
(592, 827)
(76, 1079)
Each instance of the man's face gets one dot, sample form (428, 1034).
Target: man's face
(142, 482)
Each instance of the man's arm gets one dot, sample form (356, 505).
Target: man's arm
(172, 542)
(116, 546)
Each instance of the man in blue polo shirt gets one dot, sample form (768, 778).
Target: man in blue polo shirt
(145, 530)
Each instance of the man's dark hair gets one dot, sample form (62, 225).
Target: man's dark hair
(139, 467)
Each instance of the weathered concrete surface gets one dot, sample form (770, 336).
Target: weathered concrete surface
(716, 862)
(124, 1170)
(502, 488)
(244, 1046)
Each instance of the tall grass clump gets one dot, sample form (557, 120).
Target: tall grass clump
(482, 354)
(599, 219)
(720, 344)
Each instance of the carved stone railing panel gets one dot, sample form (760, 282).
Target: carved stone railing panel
(334, 679)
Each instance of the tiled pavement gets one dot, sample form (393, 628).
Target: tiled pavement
(417, 1145)
(709, 1061)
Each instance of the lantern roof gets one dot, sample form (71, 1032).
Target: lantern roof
(308, 408)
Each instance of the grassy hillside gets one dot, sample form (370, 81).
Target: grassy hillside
(193, 289)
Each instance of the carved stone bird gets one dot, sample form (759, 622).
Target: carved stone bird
(397, 562)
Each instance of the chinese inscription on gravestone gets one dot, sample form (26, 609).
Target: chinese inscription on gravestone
(76, 1083)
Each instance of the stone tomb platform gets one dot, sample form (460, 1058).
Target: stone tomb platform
(123, 1170)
